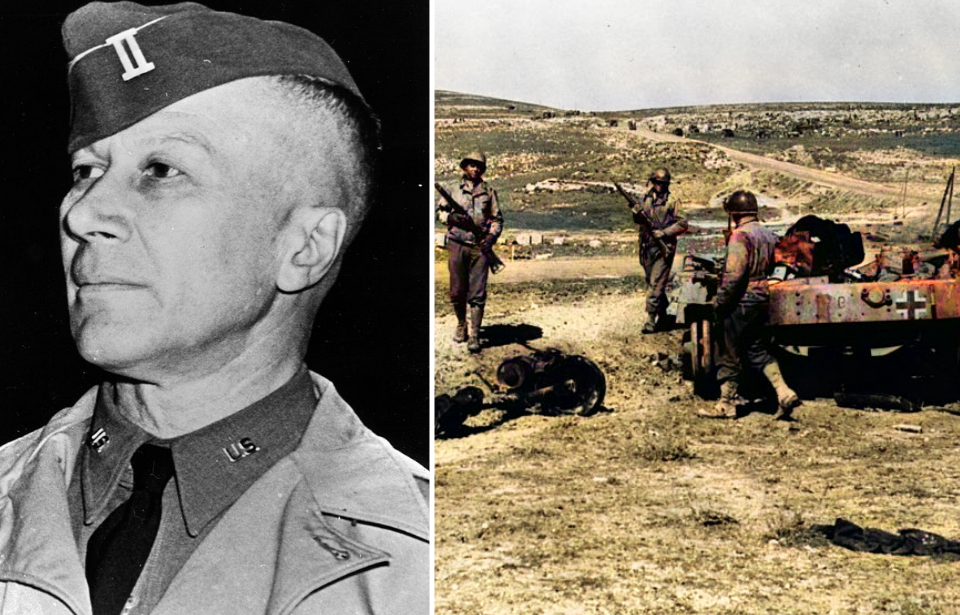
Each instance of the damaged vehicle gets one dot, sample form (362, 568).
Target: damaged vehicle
(880, 332)
(542, 381)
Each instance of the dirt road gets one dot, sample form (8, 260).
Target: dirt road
(823, 178)
(562, 268)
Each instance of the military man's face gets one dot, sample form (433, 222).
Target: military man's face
(168, 234)
(472, 170)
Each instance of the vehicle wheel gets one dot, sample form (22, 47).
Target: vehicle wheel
(579, 388)
(701, 358)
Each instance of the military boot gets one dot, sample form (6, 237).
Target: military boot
(473, 333)
(726, 407)
(651, 325)
(786, 398)
(460, 335)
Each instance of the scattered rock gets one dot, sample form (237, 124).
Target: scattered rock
(909, 428)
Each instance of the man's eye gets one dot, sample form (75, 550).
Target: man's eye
(159, 170)
(86, 171)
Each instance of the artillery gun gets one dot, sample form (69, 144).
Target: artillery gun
(544, 381)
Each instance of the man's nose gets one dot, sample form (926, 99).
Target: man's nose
(99, 215)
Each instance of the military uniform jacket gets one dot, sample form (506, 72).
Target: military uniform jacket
(481, 205)
(338, 526)
(749, 260)
(664, 218)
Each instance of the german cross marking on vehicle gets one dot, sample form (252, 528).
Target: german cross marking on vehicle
(131, 70)
(912, 305)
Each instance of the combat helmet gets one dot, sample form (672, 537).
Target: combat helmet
(660, 176)
(741, 202)
(478, 157)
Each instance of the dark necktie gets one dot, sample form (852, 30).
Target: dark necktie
(118, 548)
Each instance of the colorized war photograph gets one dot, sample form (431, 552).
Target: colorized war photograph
(216, 361)
(696, 307)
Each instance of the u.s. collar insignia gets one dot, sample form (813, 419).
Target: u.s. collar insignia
(98, 440)
(238, 450)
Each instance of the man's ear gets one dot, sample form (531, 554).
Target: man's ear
(311, 246)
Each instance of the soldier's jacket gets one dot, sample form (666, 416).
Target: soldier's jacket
(480, 203)
(663, 216)
(340, 525)
(749, 261)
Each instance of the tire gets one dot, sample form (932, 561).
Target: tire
(588, 393)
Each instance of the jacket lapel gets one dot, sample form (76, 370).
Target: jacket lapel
(275, 546)
(265, 552)
(37, 546)
(313, 554)
(357, 475)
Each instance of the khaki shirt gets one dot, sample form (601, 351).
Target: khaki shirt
(662, 216)
(339, 525)
(213, 466)
(481, 203)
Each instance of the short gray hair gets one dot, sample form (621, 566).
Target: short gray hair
(360, 127)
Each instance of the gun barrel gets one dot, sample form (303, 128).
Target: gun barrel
(645, 222)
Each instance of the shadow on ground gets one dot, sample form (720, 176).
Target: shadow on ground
(504, 335)
(450, 425)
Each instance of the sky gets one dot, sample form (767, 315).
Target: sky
(613, 55)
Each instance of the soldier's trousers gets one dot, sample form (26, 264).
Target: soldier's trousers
(468, 274)
(656, 267)
(742, 340)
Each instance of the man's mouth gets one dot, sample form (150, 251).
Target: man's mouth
(87, 274)
(88, 283)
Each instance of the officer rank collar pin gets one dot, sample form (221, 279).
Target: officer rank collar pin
(98, 440)
(128, 61)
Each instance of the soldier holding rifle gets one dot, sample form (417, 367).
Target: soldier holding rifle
(660, 224)
(472, 215)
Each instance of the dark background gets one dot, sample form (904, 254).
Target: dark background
(371, 337)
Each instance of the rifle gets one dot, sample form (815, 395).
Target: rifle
(496, 265)
(645, 221)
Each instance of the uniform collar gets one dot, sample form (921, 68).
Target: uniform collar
(375, 483)
(659, 195)
(466, 184)
(213, 465)
(340, 470)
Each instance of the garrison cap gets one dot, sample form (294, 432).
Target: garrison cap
(128, 61)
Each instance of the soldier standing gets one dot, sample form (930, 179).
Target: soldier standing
(469, 254)
(665, 224)
(741, 309)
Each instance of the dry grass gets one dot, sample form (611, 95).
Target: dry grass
(648, 509)
(645, 508)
